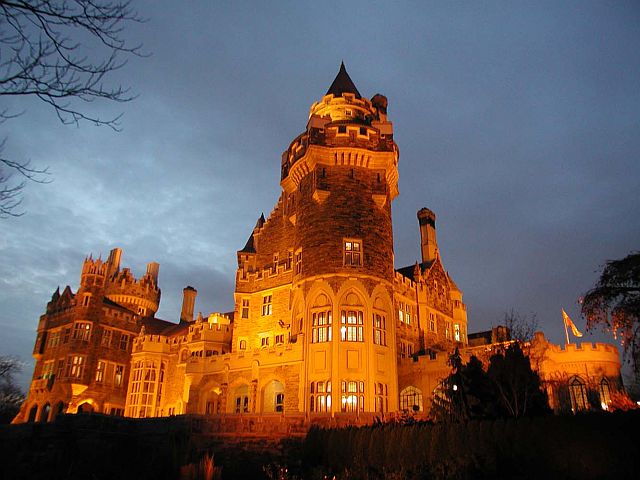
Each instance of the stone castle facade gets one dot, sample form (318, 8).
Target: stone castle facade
(323, 325)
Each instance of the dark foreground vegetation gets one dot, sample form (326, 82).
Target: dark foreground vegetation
(589, 446)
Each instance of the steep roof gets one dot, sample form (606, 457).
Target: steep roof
(343, 84)
(409, 271)
(156, 326)
(249, 247)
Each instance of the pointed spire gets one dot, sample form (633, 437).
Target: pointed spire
(259, 223)
(343, 84)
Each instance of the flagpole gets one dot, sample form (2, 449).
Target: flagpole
(566, 331)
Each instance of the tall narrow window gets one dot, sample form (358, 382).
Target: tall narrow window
(124, 341)
(266, 305)
(351, 329)
(274, 268)
(86, 299)
(456, 332)
(118, 376)
(578, 394)
(299, 262)
(382, 403)
(432, 322)
(245, 308)
(322, 327)
(379, 330)
(100, 372)
(243, 345)
(107, 337)
(605, 393)
(320, 399)
(353, 253)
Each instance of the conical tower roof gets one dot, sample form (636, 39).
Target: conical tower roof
(343, 84)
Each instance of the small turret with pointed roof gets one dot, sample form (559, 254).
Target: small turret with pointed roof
(343, 84)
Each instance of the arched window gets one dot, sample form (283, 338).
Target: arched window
(44, 413)
(32, 414)
(59, 410)
(605, 393)
(320, 399)
(578, 393)
(243, 344)
(352, 399)
(273, 397)
(411, 399)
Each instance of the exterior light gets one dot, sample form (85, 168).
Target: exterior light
(604, 406)
(455, 388)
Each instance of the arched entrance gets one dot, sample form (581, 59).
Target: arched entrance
(212, 401)
(273, 397)
(85, 407)
(241, 399)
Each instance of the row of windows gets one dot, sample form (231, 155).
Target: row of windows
(352, 396)
(456, 328)
(81, 331)
(265, 341)
(74, 367)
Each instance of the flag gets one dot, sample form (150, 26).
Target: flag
(570, 324)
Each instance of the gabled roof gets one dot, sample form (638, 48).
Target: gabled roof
(409, 271)
(343, 84)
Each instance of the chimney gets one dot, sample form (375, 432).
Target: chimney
(428, 242)
(152, 269)
(114, 261)
(188, 302)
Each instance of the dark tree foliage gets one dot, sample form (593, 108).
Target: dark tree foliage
(60, 52)
(10, 395)
(509, 388)
(517, 387)
(614, 304)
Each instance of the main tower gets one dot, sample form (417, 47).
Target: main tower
(320, 268)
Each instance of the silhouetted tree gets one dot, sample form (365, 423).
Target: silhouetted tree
(10, 395)
(516, 385)
(614, 304)
(59, 51)
(521, 327)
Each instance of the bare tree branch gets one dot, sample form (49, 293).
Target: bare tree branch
(61, 52)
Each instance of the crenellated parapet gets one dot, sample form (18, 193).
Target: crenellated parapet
(142, 295)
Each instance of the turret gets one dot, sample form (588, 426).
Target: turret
(139, 295)
(428, 242)
(114, 261)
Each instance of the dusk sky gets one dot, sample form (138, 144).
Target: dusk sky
(518, 124)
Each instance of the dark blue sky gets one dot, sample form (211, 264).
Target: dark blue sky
(518, 123)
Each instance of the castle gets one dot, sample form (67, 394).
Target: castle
(324, 325)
